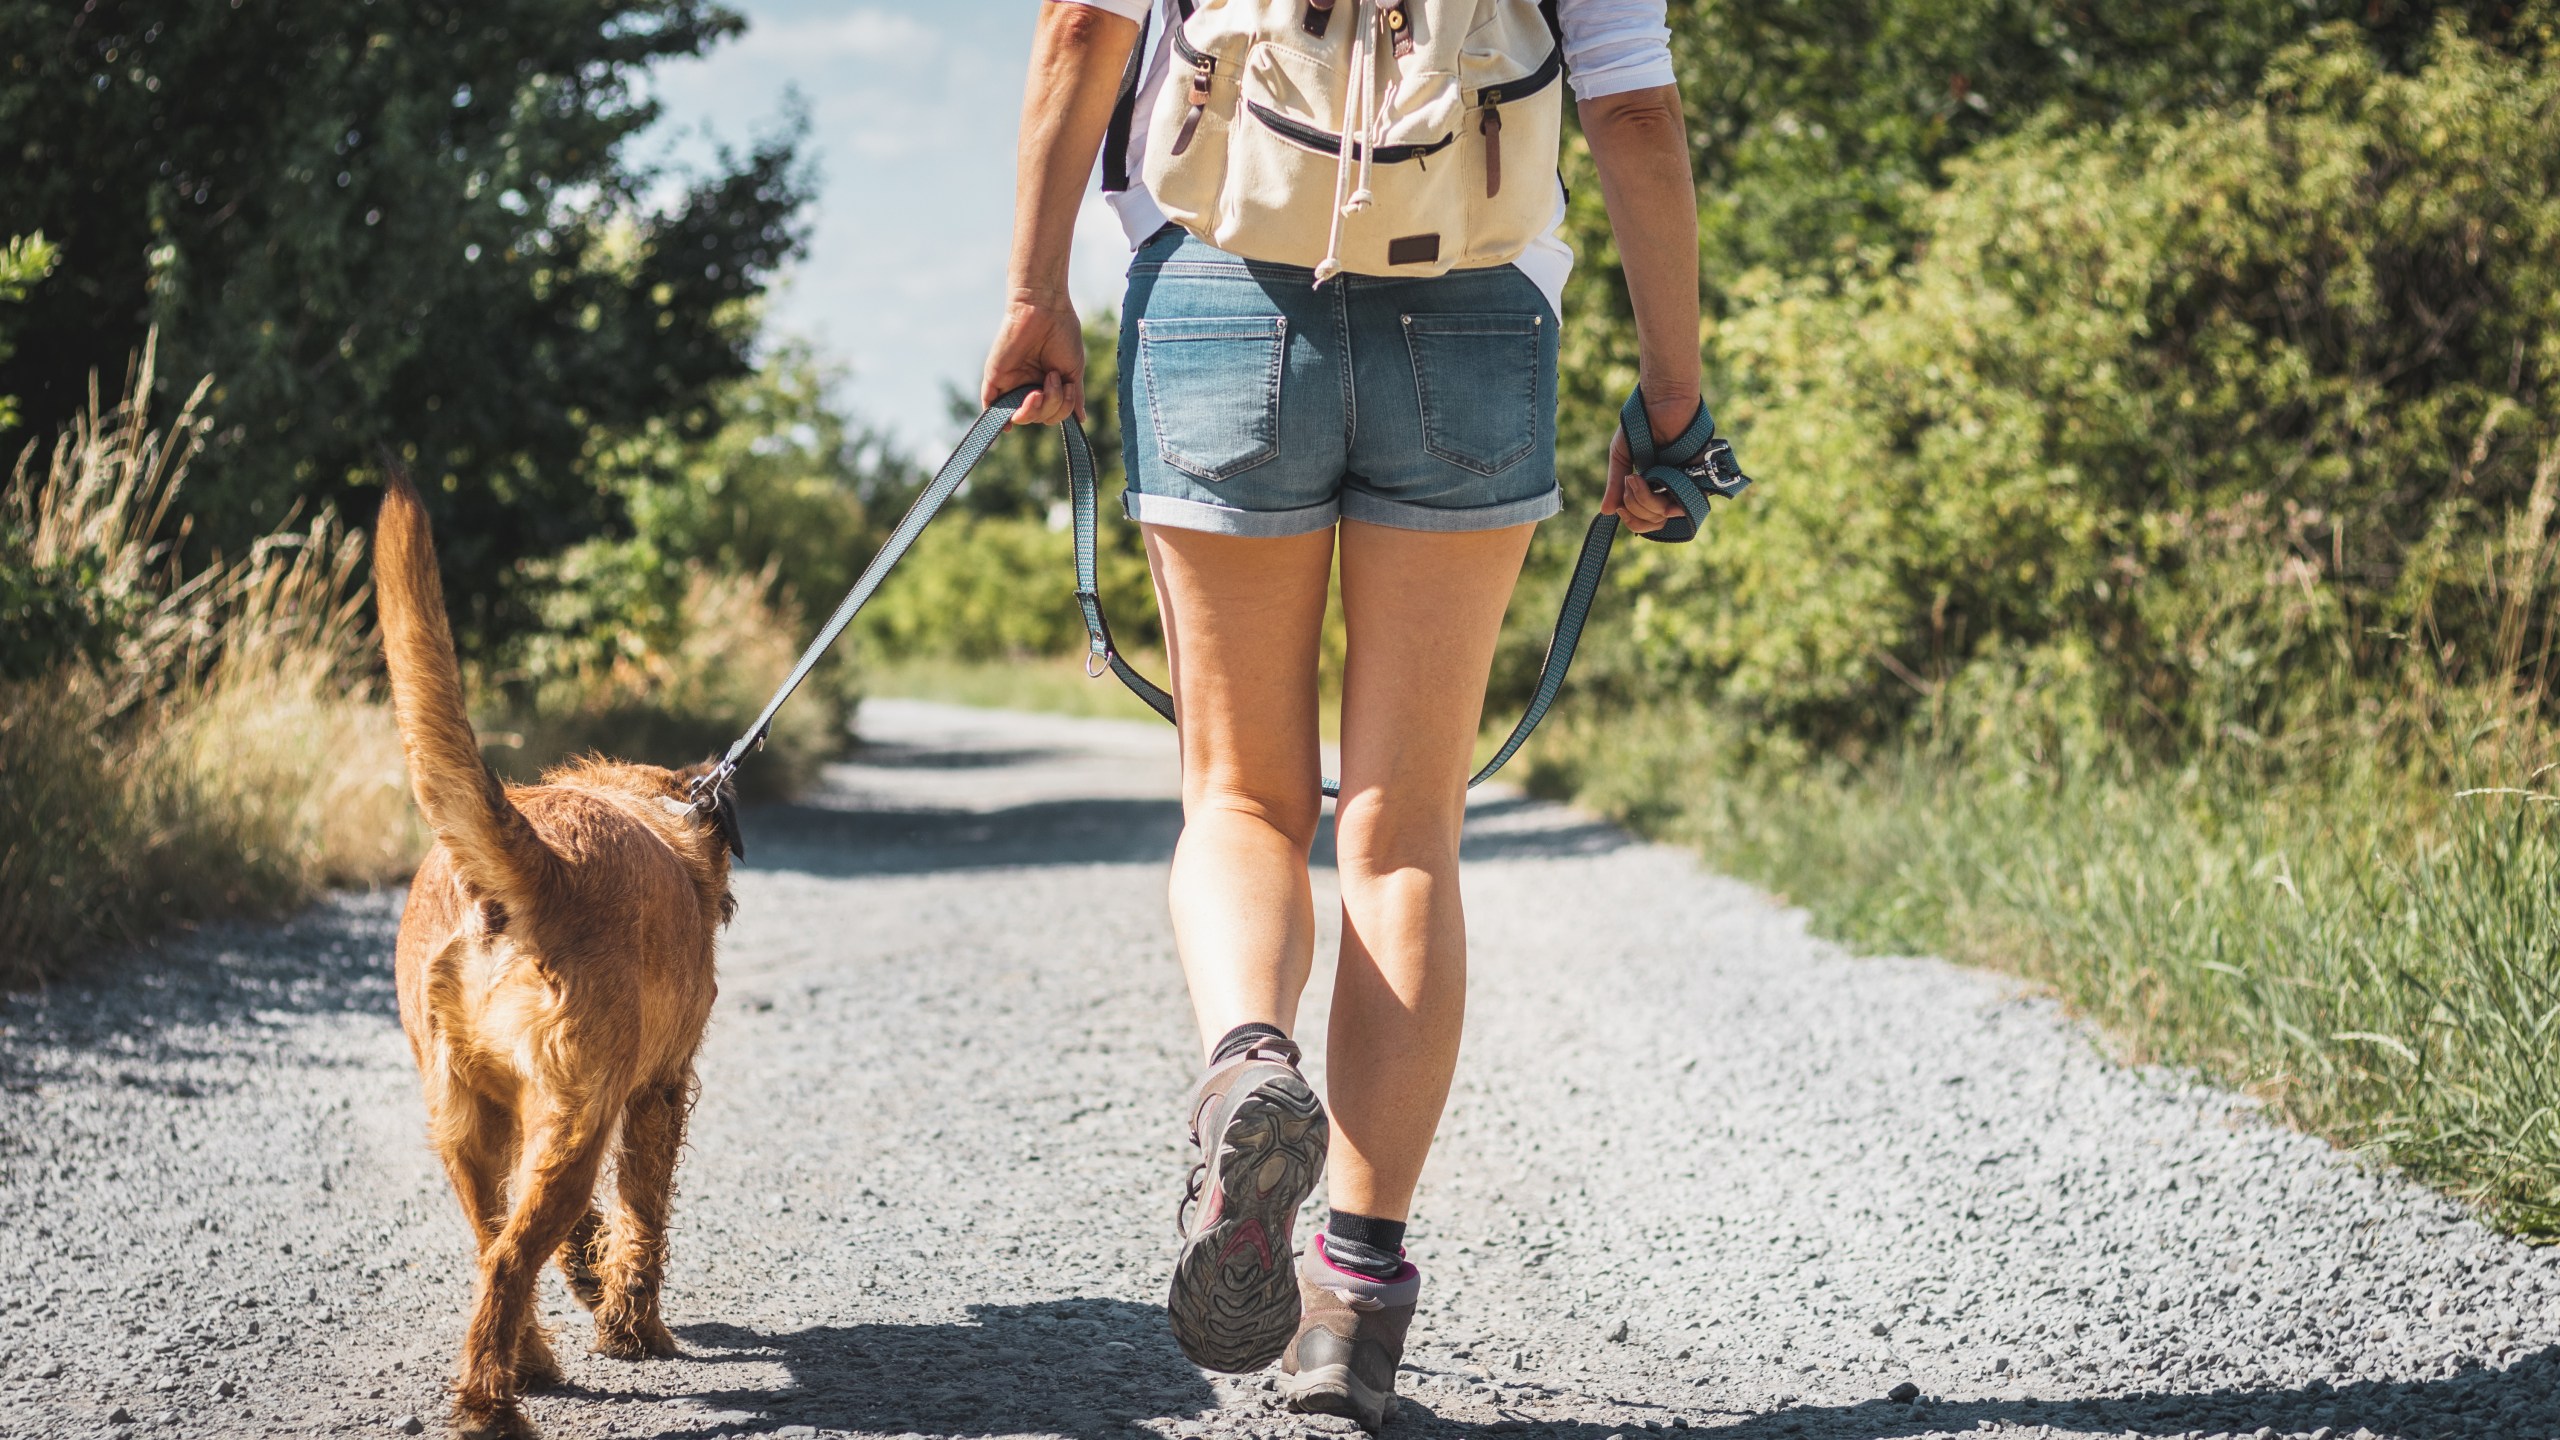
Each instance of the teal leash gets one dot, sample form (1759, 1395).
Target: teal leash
(708, 789)
(1693, 467)
(1696, 465)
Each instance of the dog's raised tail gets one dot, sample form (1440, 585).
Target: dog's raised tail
(494, 850)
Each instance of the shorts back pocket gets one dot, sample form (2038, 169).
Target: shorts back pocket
(1476, 380)
(1213, 390)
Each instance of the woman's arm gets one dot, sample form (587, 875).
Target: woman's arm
(1076, 59)
(1640, 144)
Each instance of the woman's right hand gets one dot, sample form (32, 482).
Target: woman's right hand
(1041, 343)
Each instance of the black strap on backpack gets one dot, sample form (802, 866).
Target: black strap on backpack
(1124, 112)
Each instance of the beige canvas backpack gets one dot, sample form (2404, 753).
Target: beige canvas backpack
(1382, 137)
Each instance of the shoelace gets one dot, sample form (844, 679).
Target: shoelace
(1191, 1189)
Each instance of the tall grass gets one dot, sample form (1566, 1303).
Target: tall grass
(197, 742)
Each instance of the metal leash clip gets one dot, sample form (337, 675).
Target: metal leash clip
(1717, 470)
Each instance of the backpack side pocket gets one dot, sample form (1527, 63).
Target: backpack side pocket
(1186, 160)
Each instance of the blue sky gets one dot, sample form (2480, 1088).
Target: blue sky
(913, 111)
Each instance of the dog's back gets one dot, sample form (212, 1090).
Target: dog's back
(555, 976)
(600, 877)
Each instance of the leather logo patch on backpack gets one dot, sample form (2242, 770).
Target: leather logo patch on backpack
(1414, 249)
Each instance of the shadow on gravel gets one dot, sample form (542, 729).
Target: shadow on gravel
(183, 998)
(1082, 1368)
(891, 755)
(816, 840)
(2512, 1404)
(844, 843)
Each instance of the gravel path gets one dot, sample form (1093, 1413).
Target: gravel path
(1701, 1171)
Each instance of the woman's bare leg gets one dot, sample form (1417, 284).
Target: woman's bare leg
(1242, 618)
(1423, 611)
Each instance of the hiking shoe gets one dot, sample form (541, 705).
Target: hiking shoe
(1262, 1136)
(1349, 1341)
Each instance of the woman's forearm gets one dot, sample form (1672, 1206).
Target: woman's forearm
(1640, 144)
(1076, 59)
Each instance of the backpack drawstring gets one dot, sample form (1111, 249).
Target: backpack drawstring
(1361, 124)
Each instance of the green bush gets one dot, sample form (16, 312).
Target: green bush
(627, 666)
(663, 645)
(2183, 422)
(994, 578)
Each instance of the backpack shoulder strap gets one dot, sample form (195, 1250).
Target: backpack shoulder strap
(1124, 111)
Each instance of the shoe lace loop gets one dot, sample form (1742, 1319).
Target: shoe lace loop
(1191, 1188)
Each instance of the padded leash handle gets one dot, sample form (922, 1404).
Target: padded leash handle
(1696, 464)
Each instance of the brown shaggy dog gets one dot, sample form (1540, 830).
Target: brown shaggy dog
(555, 973)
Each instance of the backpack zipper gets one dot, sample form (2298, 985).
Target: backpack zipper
(1299, 132)
(1203, 66)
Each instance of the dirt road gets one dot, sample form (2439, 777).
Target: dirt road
(1701, 1171)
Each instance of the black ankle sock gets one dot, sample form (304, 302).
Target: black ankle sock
(1364, 1245)
(1242, 1038)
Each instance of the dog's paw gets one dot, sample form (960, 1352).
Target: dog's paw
(497, 1420)
(640, 1338)
(537, 1368)
(579, 1255)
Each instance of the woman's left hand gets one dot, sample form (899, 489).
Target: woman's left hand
(1630, 497)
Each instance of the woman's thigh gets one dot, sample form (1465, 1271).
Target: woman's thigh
(1422, 611)
(1242, 621)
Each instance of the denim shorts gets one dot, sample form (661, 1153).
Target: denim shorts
(1254, 403)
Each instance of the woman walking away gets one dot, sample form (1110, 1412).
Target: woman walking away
(1340, 331)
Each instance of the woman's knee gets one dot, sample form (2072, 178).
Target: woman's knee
(1289, 809)
(1383, 832)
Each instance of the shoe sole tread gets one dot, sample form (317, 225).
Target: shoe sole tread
(1234, 1302)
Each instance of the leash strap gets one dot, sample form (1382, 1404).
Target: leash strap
(1696, 464)
(973, 447)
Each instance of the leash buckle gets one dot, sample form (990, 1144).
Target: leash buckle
(1097, 628)
(1715, 469)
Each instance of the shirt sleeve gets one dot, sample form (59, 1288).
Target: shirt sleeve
(1612, 46)
(1125, 9)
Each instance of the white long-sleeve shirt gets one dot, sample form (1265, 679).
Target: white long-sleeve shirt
(1610, 46)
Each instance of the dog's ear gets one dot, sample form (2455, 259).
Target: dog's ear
(722, 811)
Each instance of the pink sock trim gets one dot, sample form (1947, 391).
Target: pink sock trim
(1354, 1279)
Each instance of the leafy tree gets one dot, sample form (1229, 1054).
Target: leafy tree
(25, 260)
(385, 226)
(1820, 129)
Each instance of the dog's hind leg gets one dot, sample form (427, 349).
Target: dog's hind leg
(476, 1137)
(628, 1323)
(564, 1149)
